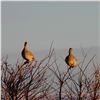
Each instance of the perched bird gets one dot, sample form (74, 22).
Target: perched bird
(71, 60)
(27, 54)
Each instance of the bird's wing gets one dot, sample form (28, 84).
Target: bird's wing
(74, 57)
(30, 55)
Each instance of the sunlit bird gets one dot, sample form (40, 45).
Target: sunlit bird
(71, 60)
(27, 54)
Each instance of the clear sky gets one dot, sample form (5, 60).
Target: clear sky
(69, 24)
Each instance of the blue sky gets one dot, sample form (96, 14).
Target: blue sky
(69, 24)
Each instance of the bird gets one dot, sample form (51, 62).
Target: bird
(71, 60)
(27, 54)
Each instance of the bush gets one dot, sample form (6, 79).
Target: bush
(31, 81)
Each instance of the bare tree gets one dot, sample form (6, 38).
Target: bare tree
(31, 81)
(60, 76)
(25, 81)
(81, 87)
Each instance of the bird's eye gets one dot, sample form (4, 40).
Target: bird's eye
(25, 42)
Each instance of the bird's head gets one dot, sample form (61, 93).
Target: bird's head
(25, 43)
(70, 50)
